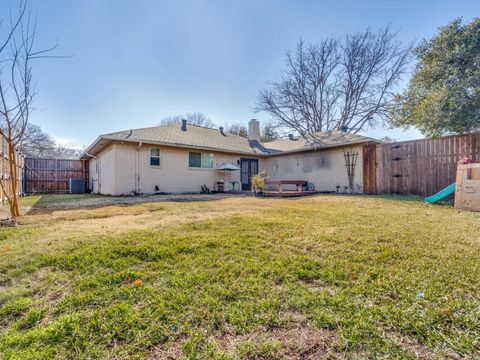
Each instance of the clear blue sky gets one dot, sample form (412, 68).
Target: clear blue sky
(136, 62)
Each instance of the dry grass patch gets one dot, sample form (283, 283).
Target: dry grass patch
(298, 340)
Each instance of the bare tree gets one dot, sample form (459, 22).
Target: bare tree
(35, 142)
(269, 132)
(16, 91)
(388, 139)
(237, 129)
(339, 84)
(63, 152)
(198, 119)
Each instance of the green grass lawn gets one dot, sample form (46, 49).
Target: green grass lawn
(243, 278)
(41, 200)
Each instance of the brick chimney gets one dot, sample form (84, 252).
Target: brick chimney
(254, 130)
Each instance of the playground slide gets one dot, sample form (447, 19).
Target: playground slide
(442, 194)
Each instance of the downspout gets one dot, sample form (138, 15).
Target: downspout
(137, 168)
(98, 173)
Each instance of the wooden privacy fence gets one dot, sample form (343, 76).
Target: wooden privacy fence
(53, 175)
(5, 170)
(418, 167)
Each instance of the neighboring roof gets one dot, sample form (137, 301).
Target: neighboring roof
(212, 139)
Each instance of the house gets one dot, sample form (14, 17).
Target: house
(180, 158)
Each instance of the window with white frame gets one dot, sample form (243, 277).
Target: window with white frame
(155, 157)
(200, 160)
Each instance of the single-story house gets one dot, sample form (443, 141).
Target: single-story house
(180, 158)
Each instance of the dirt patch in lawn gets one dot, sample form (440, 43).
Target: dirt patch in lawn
(303, 342)
(64, 203)
(419, 350)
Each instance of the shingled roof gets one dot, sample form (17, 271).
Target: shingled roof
(192, 136)
(213, 139)
(319, 140)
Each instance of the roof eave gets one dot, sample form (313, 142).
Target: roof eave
(319, 148)
(179, 145)
(88, 152)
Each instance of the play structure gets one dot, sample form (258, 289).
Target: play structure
(466, 189)
(467, 195)
(442, 194)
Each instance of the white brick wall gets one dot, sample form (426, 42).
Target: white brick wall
(326, 169)
(124, 169)
(117, 164)
(117, 168)
(174, 174)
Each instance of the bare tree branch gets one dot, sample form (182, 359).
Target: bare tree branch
(337, 84)
(236, 129)
(198, 119)
(17, 91)
(35, 142)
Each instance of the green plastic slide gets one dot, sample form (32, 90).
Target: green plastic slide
(442, 194)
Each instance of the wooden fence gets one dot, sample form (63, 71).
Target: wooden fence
(5, 170)
(53, 175)
(418, 167)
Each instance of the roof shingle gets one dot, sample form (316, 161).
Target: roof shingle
(207, 138)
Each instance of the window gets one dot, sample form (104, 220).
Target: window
(154, 157)
(207, 161)
(200, 160)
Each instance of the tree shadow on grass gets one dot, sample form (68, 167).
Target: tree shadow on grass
(47, 204)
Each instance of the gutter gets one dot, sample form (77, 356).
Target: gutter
(137, 166)
(184, 146)
(98, 172)
(316, 148)
(277, 153)
(95, 142)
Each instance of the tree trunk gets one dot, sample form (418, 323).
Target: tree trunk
(12, 160)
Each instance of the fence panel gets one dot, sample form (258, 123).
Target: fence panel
(53, 175)
(420, 167)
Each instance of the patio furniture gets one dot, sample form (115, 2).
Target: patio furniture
(226, 169)
(233, 186)
(301, 188)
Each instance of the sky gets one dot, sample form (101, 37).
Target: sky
(132, 63)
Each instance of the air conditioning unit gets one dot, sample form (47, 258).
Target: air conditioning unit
(77, 186)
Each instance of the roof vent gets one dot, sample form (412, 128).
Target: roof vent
(221, 130)
(184, 125)
(344, 128)
(290, 137)
(129, 134)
